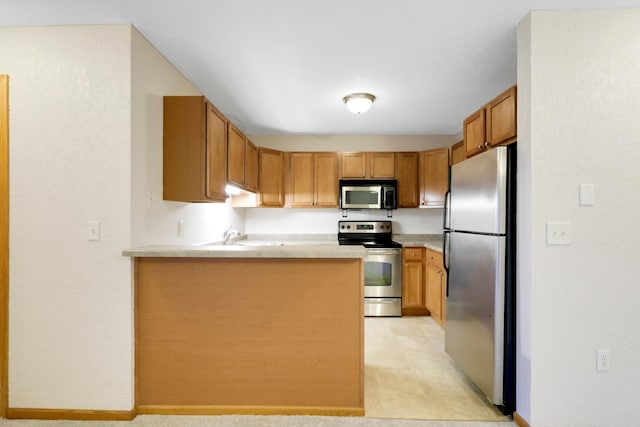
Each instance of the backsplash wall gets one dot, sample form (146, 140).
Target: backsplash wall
(325, 221)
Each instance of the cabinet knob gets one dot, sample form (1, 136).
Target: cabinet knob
(413, 254)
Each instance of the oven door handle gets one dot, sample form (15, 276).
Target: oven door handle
(369, 300)
(384, 251)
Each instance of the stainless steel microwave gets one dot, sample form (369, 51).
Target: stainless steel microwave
(368, 194)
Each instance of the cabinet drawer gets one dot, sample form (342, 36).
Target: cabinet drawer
(412, 254)
(434, 258)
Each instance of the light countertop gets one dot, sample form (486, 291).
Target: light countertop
(278, 246)
(431, 241)
(253, 249)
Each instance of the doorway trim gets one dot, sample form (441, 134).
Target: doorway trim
(4, 242)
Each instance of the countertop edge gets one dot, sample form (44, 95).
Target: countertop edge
(215, 251)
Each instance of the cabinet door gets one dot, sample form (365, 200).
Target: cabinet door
(216, 157)
(501, 117)
(434, 177)
(474, 132)
(407, 176)
(235, 156)
(326, 180)
(434, 292)
(353, 165)
(458, 152)
(251, 167)
(301, 180)
(382, 165)
(271, 177)
(413, 278)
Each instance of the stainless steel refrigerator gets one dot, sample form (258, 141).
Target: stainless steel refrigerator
(479, 248)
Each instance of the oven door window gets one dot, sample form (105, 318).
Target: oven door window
(377, 273)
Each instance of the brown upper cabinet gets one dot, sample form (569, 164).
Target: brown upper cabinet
(194, 146)
(458, 152)
(313, 180)
(434, 177)
(407, 175)
(271, 178)
(251, 166)
(368, 165)
(242, 160)
(493, 124)
(501, 118)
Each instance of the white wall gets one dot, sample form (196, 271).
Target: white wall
(354, 142)
(579, 88)
(86, 144)
(157, 222)
(70, 299)
(325, 221)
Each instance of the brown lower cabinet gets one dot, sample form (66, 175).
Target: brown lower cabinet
(436, 283)
(413, 282)
(424, 282)
(219, 336)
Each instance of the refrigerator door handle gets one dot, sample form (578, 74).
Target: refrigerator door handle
(445, 258)
(446, 221)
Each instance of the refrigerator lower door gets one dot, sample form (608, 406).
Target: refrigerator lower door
(474, 331)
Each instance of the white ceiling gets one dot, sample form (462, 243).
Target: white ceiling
(283, 66)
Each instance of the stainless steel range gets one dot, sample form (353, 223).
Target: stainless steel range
(382, 266)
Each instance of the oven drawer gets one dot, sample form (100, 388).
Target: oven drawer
(375, 307)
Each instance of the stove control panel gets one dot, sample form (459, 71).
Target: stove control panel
(376, 227)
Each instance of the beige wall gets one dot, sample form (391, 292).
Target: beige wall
(155, 221)
(86, 144)
(70, 299)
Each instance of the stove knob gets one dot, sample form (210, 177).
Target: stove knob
(348, 227)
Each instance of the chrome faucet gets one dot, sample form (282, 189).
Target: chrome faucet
(226, 235)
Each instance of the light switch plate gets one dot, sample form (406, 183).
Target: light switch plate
(93, 230)
(586, 195)
(558, 233)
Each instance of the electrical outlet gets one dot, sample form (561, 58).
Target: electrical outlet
(558, 233)
(603, 359)
(181, 228)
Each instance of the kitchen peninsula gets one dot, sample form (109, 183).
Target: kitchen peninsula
(249, 329)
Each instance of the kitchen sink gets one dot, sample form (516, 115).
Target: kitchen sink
(257, 243)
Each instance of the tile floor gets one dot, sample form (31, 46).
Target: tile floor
(408, 374)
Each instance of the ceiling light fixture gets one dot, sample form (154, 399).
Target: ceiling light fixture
(359, 103)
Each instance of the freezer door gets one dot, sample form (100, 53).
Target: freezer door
(474, 331)
(478, 193)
